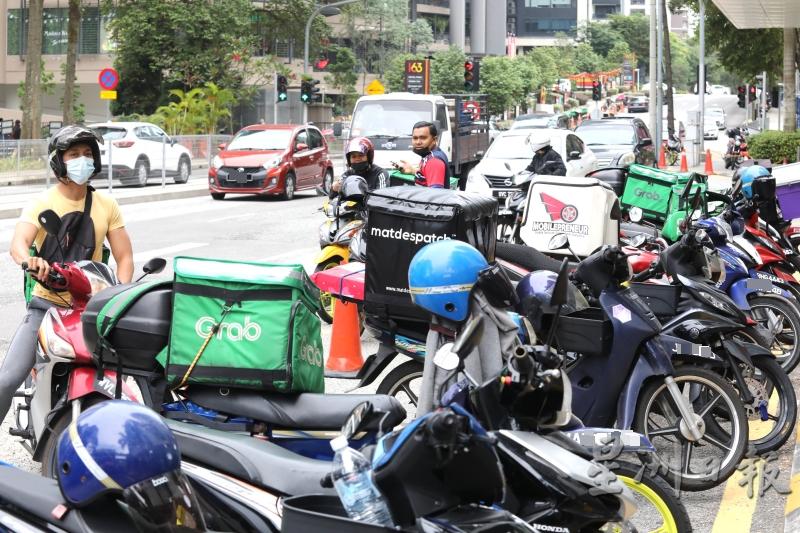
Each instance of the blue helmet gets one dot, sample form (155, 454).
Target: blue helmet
(441, 276)
(749, 175)
(125, 449)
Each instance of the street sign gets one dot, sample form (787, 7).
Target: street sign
(472, 109)
(418, 76)
(108, 79)
(108, 95)
(376, 87)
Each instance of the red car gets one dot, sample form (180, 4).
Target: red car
(271, 159)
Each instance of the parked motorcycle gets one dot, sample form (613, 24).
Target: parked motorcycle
(736, 151)
(672, 150)
(66, 378)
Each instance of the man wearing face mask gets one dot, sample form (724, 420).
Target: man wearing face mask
(434, 168)
(89, 218)
(360, 155)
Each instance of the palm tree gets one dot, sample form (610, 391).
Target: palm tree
(68, 102)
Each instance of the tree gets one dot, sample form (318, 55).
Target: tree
(602, 37)
(195, 43)
(502, 80)
(667, 67)
(73, 25)
(32, 101)
(447, 71)
(394, 77)
(791, 50)
(586, 60)
(616, 56)
(343, 74)
(635, 31)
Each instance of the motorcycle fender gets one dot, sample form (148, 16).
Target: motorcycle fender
(332, 251)
(744, 351)
(653, 361)
(739, 291)
(83, 382)
(375, 364)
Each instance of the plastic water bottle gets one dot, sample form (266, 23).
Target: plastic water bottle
(351, 478)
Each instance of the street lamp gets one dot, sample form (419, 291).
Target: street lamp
(327, 10)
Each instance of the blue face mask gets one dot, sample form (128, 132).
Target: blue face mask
(80, 169)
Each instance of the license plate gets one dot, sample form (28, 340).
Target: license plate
(503, 194)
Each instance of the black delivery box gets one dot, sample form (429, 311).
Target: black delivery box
(400, 221)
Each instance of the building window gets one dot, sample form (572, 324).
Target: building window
(92, 37)
(549, 26)
(549, 3)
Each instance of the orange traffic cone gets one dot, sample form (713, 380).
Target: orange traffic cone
(709, 164)
(684, 163)
(344, 359)
(662, 159)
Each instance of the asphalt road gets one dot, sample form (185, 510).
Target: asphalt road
(249, 228)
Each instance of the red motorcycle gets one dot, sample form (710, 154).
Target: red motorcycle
(776, 255)
(66, 377)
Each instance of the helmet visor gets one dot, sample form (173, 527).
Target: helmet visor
(164, 504)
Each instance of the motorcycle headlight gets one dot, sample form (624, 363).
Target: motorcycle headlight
(626, 159)
(98, 283)
(217, 162)
(324, 234)
(274, 162)
(716, 302)
(55, 344)
(348, 231)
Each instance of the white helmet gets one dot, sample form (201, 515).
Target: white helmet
(538, 140)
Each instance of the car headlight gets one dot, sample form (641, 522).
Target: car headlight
(477, 183)
(716, 302)
(54, 343)
(274, 162)
(217, 162)
(626, 159)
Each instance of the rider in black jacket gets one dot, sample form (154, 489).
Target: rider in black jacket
(360, 154)
(545, 159)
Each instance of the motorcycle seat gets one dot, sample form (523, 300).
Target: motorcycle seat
(632, 229)
(259, 462)
(297, 411)
(37, 496)
(526, 257)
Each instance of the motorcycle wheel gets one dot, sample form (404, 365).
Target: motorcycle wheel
(783, 320)
(49, 467)
(770, 387)
(404, 383)
(326, 301)
(658, 507)
(718, 404)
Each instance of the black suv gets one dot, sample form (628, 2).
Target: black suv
(618, 141)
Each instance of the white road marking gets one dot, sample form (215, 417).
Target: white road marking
(169, 250)
(302, 255)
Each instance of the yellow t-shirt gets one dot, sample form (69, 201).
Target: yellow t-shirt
(105, 216)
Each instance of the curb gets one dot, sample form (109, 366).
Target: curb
(15, 212)
(792, 509)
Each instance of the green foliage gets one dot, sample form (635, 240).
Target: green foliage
(343, 73)
(503, 83)
(198, 110)
(394, 76)
(447, 71)
(774, 145)
(635, 31)
(616, 55)
(182, 46)
(586, 60)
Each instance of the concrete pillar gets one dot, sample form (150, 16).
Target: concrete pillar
(496, 29)
(477, 30)
(458, 22)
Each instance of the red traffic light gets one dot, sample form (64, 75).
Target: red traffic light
(752, 89)
(469, 65)
(595, 83)
(740, 88)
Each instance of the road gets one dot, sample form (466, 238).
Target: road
(255, 229)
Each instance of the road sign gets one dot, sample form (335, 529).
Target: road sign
(108, 95)
(376, 87)
(108, 79)
(418, 76)
(472, 109)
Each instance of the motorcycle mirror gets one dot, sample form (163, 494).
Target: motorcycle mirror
(155, 265)
(51, 222)
(559, 296)
(635, 214)
(446, 358)
(559, 241)
(356, 419)
(469, 337)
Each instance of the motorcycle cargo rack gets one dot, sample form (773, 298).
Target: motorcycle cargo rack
(662, 300)
(588, 331)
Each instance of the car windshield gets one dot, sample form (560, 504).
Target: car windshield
(389, 118)
(610, 134)
(543, 121)
(110, 134)
(261, 140)
(509, 147)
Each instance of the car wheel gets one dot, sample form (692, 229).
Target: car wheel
(327, 183)
(142, 172)
(218, 195)
(288, 190)
(184, 170)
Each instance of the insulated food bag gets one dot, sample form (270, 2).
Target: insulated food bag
(657, 192)
(240, 324)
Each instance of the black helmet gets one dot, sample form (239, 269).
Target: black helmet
(66, 137)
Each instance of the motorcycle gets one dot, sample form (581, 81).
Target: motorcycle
(672, 150)
(66, 378)
(736, 151)
(346, 217)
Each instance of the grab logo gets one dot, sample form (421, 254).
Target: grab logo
(310, 354)
(647, 194)
(233, 331)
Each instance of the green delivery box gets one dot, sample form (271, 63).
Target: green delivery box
(657, 192)
(240, 324)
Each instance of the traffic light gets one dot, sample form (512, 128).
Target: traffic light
(315, 96)
(752, 95)
(775, 98)
(472, 70)
(596, 90)
(282, 89)
(740, 90)
(308, 91)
